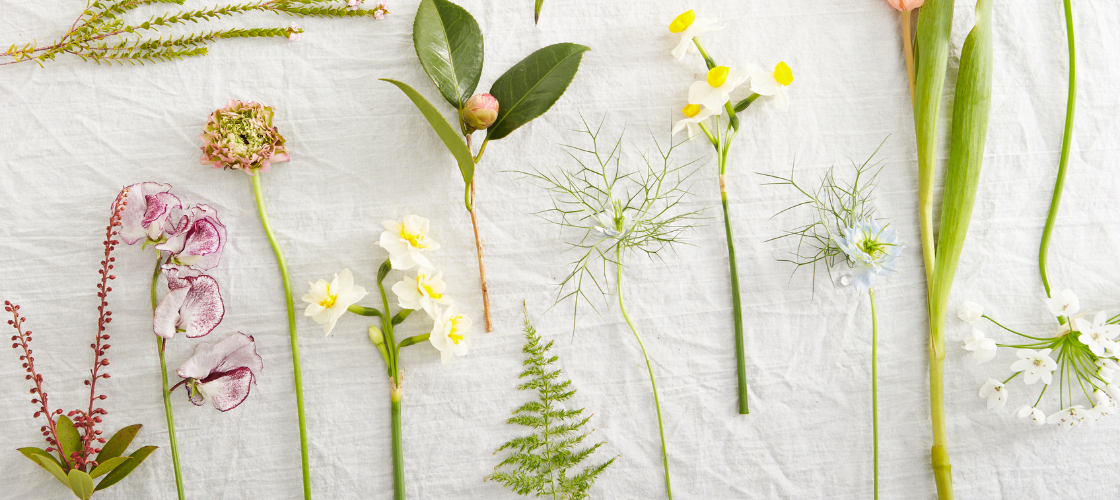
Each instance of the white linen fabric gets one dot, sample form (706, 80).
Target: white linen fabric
(74, 133)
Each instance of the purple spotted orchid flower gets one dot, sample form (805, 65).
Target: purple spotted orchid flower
(197, 240)
(146, 213)
(193, 304)
(222, 372)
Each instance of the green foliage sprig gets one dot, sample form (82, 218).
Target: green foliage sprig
(541, 462)
(101, 34)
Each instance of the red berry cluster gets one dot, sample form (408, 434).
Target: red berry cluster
(22, 340)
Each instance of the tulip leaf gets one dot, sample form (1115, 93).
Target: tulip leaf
(449, 44)
(68, 438)
(81, 484)
(124, 469)
(46, 461)
(446, 132)
(108, 466)
(532, 86)
(117, 444)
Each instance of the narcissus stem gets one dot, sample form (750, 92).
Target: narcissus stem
(166, 392)
(398, 442)
(256, 178)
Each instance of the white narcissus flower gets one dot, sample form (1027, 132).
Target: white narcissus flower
(1107, 368)
(326, 302)
(772, 83)
(715, 90)
(996, 393)
(1098, 335)
(688, 27)
(1069, 417)
(1035, 365)
(1031, 413)
(451, 333)
(970, 312)
(694, 116)
(406, 241)
(422, 292)
(1064, 303)
(983, 349)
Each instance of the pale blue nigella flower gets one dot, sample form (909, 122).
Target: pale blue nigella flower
(871, 250)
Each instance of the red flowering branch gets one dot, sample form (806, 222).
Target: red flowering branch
(23, 340)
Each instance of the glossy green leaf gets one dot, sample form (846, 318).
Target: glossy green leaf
(117, 444)
(537, 11)
(107, 466)
(123, 470)
(69, 439)
(48, 462)
(81, 484)
(449, 44)
(446, 132)
(533, 85)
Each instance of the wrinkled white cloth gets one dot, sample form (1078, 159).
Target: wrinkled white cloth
(74, 133)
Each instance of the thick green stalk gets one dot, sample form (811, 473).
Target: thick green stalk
(393, 351)
(874, 387)
(931, 49)
(1059, 184)
(398, 443)
(166, 392)
(736, 305)
(652, 382)
(256, 178)
(970, 130)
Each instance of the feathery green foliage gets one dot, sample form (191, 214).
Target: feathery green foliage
(541, 462)
(101, 34)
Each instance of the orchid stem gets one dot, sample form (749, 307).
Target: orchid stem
(652, 382)
(874, 388)
(256, 178)
(167, 393)
(1063, 162)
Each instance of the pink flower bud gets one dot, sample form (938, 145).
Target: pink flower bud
(480, 112)
(906, 5)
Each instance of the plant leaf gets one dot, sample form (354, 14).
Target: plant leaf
(449, 44)
(48, 462)
(117, 444)
(69, 439)
(81, 484)
(446, 132)
(107, 466)
(537, 11)
(532, 86)
(126, 468)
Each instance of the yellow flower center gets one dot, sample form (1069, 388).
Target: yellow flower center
(455, 337)
(691, 110)
(717, 76)
(330, 300)
(416, 240)
(783, 74)
(682, 22)
(429, 292)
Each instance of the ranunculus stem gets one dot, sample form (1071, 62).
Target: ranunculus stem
(874, 388)
(652, 382)
(1059, 184)
(256, 178)
(166, 392)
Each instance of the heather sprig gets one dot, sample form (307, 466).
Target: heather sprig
(102, 34)
(540, 463)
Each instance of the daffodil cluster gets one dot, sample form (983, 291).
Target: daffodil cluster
(1081, 354)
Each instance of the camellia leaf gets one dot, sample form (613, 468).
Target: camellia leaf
(81, 484)
(124, 469)
(532, 86)
(446, 132)
(69, 439)
(117, 444)
(449, 44)
(49, 463)
(108, 466)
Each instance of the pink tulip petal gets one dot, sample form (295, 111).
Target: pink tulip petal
(227, 390)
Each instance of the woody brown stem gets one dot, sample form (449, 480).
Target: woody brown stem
(481, 264)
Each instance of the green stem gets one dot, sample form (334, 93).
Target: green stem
(393, 350)
(652, 382)
(736, 306)
(398, 443)
(874, 388)
(1059, 184)
(166, 393)
(256, 178)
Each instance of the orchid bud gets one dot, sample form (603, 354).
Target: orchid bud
(906, 5)
(480, 112)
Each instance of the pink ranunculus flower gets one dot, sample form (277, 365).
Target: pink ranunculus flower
(222, 372)
(906, 5)
(197, 240)
(193, 304)
(241, 136)
(145, 214)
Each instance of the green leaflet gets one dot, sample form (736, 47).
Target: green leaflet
(81, 484)
(449, 44)
(117, 444)
(108, 466)
(532, 86)
(126, 468)
(69, 439)
(448, 134)
(52, 466)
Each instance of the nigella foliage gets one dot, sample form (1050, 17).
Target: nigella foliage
(101, 33)
(542, 462)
